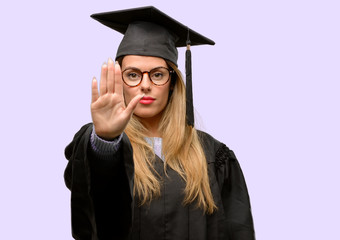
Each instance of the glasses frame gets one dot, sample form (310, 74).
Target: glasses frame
(148, 72)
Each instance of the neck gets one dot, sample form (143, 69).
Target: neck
(151, 124)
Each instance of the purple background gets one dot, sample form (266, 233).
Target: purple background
(269, 89)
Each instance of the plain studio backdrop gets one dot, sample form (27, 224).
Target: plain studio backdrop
(269, 89)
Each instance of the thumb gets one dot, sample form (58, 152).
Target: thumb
(133, 104)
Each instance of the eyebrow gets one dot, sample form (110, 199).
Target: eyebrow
(131, 67)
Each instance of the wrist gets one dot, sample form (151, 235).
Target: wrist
(104, 147)
(105, 135)
(108, 138)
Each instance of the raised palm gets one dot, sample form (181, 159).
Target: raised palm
(109, 113)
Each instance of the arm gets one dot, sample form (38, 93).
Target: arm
(234, 194)
(101, 189)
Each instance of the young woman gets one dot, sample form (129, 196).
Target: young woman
(140, 171)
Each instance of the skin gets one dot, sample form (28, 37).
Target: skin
(150, 114)
(111, 112)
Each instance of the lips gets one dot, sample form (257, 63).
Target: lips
(147, 100)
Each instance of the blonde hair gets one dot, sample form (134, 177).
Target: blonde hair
(182, 151)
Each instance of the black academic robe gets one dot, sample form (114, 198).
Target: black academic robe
(103, 206)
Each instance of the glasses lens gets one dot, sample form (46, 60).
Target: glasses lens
(132, 77)
(159, 75)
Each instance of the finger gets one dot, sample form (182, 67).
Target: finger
(133, 104)
(110, 76)
(95, 94)
(103, 77)
(118, 80)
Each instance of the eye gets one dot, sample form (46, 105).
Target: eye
(157, 75)
(132, 75)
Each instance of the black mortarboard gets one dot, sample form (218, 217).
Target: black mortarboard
(150, 32)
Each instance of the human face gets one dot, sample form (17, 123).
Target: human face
(151, 106)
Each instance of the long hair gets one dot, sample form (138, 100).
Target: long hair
(182, 151)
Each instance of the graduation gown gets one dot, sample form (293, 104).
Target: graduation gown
(103, 206)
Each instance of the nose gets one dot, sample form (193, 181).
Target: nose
(145, 85)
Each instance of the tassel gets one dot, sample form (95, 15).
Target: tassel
(189, 97)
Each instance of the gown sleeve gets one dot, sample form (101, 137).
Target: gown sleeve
(234, 194)
(101, 189)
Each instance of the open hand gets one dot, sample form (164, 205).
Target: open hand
(109, 113)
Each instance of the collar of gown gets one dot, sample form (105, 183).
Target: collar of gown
(156, 144)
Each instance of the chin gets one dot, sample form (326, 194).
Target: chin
(147, 114)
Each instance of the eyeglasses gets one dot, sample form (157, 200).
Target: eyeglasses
(158, 76)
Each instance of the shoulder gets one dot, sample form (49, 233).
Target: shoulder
(208, 141)
(79, 139)
(215, 150)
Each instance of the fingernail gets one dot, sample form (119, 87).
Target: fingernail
(110, 60)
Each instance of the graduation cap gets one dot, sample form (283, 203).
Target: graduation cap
(150, 32)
